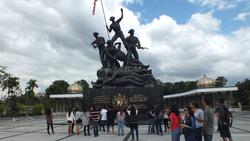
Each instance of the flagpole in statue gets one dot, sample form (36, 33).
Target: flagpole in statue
(104, 18)
(93, 13)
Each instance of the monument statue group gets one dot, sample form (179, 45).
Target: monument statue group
(132, 72)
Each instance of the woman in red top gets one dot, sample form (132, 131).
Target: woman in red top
(175, 120)
(49, 120)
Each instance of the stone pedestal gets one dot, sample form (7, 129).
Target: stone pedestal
(143, 97)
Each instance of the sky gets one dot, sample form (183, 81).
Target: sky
(49, 40)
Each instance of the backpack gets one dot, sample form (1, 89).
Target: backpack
(227, 118)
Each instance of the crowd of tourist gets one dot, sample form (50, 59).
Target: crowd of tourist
(196, 123)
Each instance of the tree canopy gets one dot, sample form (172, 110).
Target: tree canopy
(83, 83)
(57, 87)
(11, 85)
(178, 87)
(29, 91)
(3, 75)
(220, 81)
(243, 92)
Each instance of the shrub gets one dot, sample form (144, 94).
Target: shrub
(21, 108)
(2, 108)
(37, 109)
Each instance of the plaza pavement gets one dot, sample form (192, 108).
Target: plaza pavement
(34, 129)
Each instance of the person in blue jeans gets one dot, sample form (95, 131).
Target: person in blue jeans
(95, 115)
(175, 120)
(199, 119)
(158, 121)
(120, 118)
(151, 124)
(188, 125)
(175, 134)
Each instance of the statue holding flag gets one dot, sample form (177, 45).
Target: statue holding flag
(115, 25)
(133, 73)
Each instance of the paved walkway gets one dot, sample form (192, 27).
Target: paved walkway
(34, 129)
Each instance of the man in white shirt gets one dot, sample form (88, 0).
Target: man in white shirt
(199, 119)
(104, 118)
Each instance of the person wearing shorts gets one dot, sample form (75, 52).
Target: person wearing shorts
(70, 119)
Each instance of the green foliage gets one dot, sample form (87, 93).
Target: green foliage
(220, 81)
(12, 103)
(3, 75)
(38, 108)
(83, 83)
(2, 108)
(31, 85)
(243, 94)
(178, 87)
(29, 91)
(57, 87)
(11, 84)
(168, 88)
(20, 107)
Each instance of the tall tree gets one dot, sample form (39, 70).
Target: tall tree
(29, 91)
(168, 88)
(3, 75)
(243, 95)
(57, 87)
(220, 81)
(83, 83)
(11, 85)
(178, 87)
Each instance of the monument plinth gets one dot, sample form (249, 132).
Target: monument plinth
(142, 97)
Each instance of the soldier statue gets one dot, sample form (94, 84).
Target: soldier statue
(100, 43)
(115, 25)
(110, 53)
(132, 73)
(131, 43)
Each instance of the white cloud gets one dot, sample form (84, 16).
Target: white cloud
(134, 1)
(205, 22)
(50, 40)
(186, 51)
(242, 16)
(218, 4)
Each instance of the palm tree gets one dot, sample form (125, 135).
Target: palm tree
(3, 76)
(11, 85)
(29, 90)
(31, 85)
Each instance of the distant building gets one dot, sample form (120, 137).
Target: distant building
(206, 89)
(205, 82)
(73, 98)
